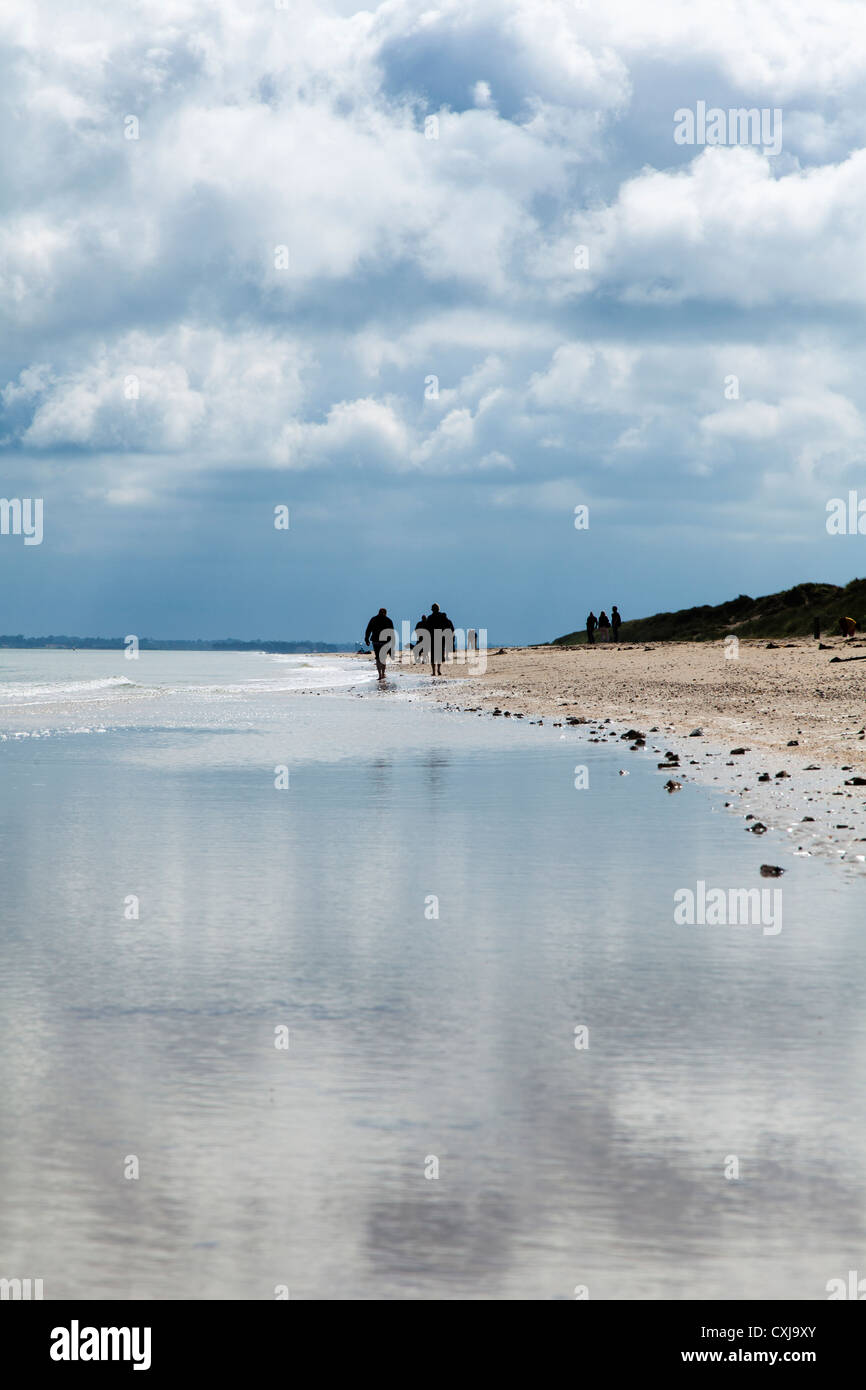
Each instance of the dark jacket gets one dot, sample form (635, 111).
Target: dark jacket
(441, 630)
(379, 629)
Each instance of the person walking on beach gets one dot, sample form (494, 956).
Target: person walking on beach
(847, 627)
(591, 625)
(441, 630)
(380, 631)
(615, 621)
(603, 627)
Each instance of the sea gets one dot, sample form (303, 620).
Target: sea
(313, 988)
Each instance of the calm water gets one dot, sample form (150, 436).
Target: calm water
(411, 1037)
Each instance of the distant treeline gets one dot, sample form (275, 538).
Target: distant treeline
(154, 644)
(791, 613)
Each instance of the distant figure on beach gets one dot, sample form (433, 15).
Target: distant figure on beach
(441, 630)
(418, 634)
(603, 627)
(615, 621)
(848, 626)
(591, 625)
(380, 631)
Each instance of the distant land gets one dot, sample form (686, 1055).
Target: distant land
(791, 613)
(154, 644)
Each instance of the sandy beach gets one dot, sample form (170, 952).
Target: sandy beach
(798, 715)
(768, 696)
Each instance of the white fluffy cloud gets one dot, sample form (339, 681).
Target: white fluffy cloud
(323, 210)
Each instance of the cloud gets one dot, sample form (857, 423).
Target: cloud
(172, 393)
(323, 210)
(726, 230)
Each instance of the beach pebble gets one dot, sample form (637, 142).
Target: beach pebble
(758, 828)
(771, 871)
(672, 786)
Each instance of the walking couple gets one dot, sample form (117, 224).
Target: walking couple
(433, 633)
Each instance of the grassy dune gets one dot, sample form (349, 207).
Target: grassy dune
(788, 614)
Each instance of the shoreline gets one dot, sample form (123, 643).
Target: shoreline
(793, 711)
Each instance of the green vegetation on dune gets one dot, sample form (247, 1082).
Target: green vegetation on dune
(789, 614)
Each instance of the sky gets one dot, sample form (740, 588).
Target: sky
(430, 278)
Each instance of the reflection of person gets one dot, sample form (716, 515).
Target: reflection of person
(591, 625)
(603, 627)
(615, 621)
(441, 630)
(380, 631)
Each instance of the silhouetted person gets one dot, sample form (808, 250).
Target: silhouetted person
(615, 621)
(441, 630)
(603, 627)
(591, 625)
(380, 631)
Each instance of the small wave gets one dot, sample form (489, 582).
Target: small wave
(24, 692)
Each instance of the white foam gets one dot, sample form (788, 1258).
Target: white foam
(26, 693)
(305, 676)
